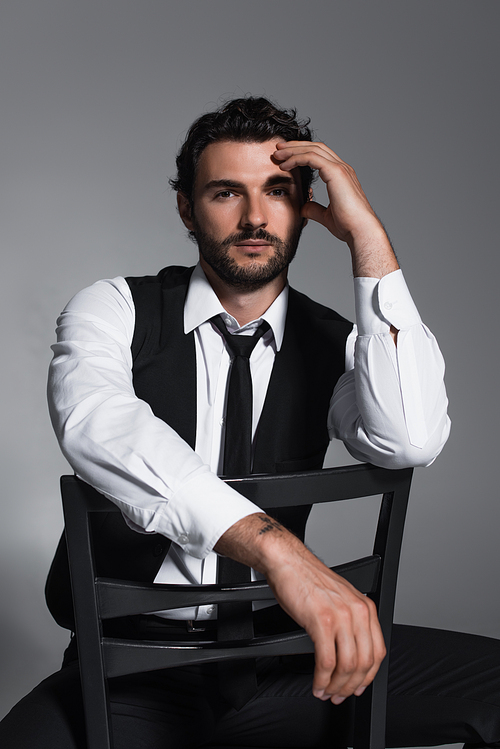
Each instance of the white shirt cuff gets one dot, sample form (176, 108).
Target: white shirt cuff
(199, 513)
(382, 302)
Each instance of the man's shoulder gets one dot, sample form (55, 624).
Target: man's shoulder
(301, 304)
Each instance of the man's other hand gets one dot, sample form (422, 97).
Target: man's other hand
(341, 622)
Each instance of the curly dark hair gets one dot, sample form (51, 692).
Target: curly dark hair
(250, 119)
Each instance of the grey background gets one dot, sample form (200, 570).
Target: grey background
(95, 100)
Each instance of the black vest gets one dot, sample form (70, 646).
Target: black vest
(291, 434)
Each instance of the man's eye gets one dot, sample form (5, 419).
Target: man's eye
(224, 194)
(278, 192)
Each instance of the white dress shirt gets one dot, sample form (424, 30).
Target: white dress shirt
(389, 408)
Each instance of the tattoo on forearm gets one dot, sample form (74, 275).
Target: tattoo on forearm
(269, 524)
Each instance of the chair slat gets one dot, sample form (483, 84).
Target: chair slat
(120, 598)
(134, 656)
(296, 489)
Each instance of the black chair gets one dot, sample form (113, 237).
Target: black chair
(97, 599)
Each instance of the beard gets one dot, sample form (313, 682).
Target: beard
(254, 275)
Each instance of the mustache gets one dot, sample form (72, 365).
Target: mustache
(260, 234)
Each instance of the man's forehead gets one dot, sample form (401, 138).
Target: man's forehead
(239, 162)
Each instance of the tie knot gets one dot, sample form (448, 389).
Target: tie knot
(240, 345)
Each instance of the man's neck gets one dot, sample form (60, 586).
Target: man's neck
(244, 305)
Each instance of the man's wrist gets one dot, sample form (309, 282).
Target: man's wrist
(371, 251)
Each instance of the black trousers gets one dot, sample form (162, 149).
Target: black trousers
(444, 687)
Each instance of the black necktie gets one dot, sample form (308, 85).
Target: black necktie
(238, 679)
(238, 437)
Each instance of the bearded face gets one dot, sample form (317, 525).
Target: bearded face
(245, 213)
(251, 275)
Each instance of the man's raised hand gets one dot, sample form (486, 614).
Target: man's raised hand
(349, 215)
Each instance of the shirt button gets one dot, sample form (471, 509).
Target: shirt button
(183, 539)
(222, 422)
(210, 610)
(388, 305)
(227, 320)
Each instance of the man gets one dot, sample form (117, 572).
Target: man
(138, 400)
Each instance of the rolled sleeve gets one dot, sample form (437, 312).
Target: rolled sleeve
(390, 407)
(199, 513)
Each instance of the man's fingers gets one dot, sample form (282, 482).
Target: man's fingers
(360, 675)
(325, 665)
(379, 649)
(345, 678)
(337, 655)
(370, 653)
(334, 665)
(305, 146)
(359, 650)
(370, 648)
(303, 157)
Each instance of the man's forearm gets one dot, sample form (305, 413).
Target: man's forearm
(371, 251)
(255, 541)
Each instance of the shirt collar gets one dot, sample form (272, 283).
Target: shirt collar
(202, 303)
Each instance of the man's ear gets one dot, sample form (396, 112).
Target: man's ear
(185, 212)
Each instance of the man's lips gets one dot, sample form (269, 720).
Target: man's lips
(253, 243)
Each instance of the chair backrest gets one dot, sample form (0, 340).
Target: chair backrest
(96, 599)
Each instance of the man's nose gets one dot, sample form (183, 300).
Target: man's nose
(254, 215)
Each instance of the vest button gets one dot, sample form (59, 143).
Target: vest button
(158, 549)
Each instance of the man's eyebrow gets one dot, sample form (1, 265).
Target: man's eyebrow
(230, 183)
(225, 183)
(279, 180)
